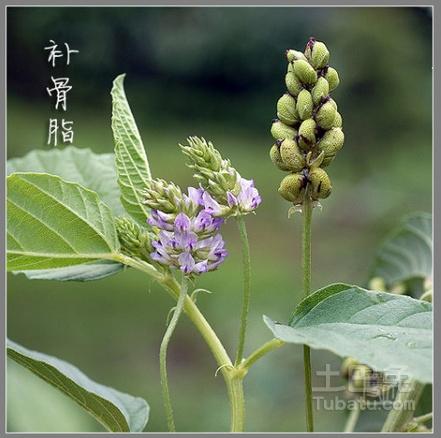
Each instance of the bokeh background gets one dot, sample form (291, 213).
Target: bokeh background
(217, 73)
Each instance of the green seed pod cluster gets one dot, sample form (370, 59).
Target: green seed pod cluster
(308, 128)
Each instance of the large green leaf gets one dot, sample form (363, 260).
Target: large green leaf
(131, 160)
(385, 331)
(53, 224)
(94, 171)
(407, 252)
(117, 411)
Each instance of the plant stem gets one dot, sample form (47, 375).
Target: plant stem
(424, 418)
(351, 422)
(233, 378)
(246, 263)
(234, 388)
(306, 259)
(274, 344)
(163, 355)
(405, 404)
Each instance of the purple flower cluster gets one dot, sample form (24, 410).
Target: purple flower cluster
(189, 240)
(246, 201)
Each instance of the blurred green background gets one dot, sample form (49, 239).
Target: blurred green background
(217, 73)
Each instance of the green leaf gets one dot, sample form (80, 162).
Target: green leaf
(384, 331)
(94, 171)
(83, 272)
(53, 224)
(407, 253)
(131, 160)
(117, 411)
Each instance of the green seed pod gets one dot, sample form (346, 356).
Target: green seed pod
(307, 134)
(276, 157)
(332, 77)
(304, 72)
(291, 155)
(304, 105)
(333, 103)
(293, 85)
(317, 54)
(286, 109)
(320, 91)
(279, 130)
(320, 184)
(294, 55)
(292, 187)
(338, 121)
(332, 141)
(326, 115)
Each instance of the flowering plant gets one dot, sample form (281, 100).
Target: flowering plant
(69, 225)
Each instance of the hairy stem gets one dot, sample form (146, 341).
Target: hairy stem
(405, 404)
(163, 355)
(306, 261)
(233, 379)
(351, 422)
(234, 388)
(246, 263)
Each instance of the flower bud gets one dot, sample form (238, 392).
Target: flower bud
(361, 378)
(293, 85)
(307, 134)
(292, 156)
(332, 141)
(305, 73)
(348, 367)
(294, 55)
(338, 121)
(304, 105)
(286, 109)
(326, 115)
(134, 240)
(276, 157)
(332, 77)
(320, 91)
(279, 130)
(317, 54)
(320, 184)
(292, 187)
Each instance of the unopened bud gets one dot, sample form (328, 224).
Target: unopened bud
(377, 284)
(304, 105)
(332, 78)
(292, 156)
(276, 157)
(286, 109)
(317, 54)
(320, 184)
(326, 115)
(292, 187)
(279, 130)
(304, 71)
(348, 367)
(293, 85)
(307, 134)
(320, 90)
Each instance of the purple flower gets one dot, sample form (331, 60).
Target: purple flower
(248, 198)
(190, 240)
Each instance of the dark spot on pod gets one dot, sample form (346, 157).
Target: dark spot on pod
(274, 120)
(319, 188)
(279, 142)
